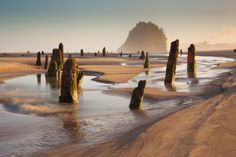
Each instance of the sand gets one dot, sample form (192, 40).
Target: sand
(204, 129)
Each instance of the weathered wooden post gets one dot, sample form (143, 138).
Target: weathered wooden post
(61, 49)
(142, 55)
(69, 86)
(146, 63)
(55, 65)
(38, 61)
(137, 96)
(191, 62)
(104, 52)
(46, 62)
(172, 61)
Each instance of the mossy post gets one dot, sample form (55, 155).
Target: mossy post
(69, 87)
(137, 96)
(142, 55)
(80, 78)
(61, 48)
(104, 52)
(46, 62)
(55, 65)
(172, 61)
(191, 62)
(146, 63)
(38, 61)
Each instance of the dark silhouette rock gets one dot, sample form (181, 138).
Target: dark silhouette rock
(137, 96)
(234, 50)
(55, 65)
(130, 55)
(142, 55)
(46, 62)
(172, 61)
(69, 85)
(81, 52)
(145, 36)
(38, 61)
(61, 48)
(121, 54)
(104, 52)
(146, 63)
(42, 53)
(95, 54)
(191, 62)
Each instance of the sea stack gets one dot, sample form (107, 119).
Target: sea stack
(55, 65)
(146, 63)
(172, 61)
(191, 62)
(145, 36)
(137, 96)
(61, 48)
(104, 52)
(69, 88)
(46, 62)
(38, 61)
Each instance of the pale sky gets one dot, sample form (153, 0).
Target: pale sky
(92, 24)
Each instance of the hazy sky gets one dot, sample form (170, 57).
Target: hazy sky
(91, 24)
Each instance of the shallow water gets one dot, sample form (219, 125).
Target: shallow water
(32, 120)
(155, 77)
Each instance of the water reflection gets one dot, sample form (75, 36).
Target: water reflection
(71, 124)
(39, 78)
(53, 82)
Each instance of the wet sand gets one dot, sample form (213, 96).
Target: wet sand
(205, 128)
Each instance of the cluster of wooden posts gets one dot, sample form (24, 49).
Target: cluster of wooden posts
(71, 76)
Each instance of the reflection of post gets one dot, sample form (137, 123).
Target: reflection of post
(54, 82)
(39, 79)
(191, 62)
(172, 61)
(71, 125)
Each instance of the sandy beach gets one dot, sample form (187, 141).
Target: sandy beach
(204, 129)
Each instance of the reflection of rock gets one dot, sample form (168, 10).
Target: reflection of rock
(80, 78)
(69, 88)
(46, 62)
(172, 61)
(146, 63)
(55, 63)
(147, 72)
(137, 96)
(191, 62)
(38, 61)
(39, 78)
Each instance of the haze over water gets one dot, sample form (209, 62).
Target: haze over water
(37, 25)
